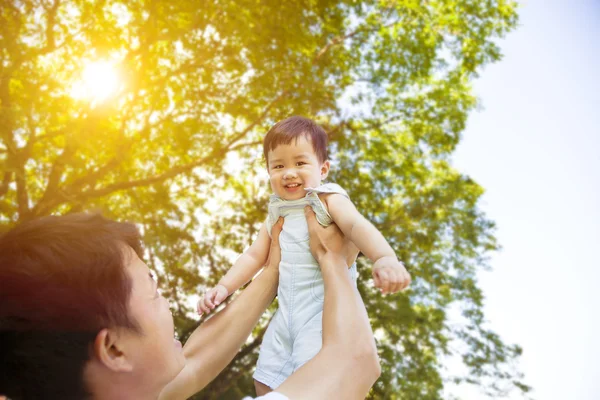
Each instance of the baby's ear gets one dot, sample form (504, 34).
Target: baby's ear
(325, 170)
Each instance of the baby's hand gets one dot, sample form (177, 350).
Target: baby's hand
(212, 298)
(390, 275)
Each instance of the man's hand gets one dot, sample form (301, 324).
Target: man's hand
(348, 357)
(275, 251)
(390, 275)
(328, 240)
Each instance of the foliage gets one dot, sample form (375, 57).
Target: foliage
(176, 148)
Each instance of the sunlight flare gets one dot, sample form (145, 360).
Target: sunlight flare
(99, 81)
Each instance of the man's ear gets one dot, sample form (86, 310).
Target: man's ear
(110, 350)
(325, 170)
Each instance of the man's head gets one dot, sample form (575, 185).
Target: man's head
(79, 308)
(296, 153)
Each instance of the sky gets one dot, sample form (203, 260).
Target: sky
(535, 147)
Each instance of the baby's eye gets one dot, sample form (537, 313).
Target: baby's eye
(278, 167)
(299, 163)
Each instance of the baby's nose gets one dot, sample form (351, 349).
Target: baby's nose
(290, 173)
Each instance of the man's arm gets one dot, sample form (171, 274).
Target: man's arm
(214, 343)
(347, 365)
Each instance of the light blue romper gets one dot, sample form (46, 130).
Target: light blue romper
(294, 335)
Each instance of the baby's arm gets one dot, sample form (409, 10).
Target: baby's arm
(249, 263)
(389, 274)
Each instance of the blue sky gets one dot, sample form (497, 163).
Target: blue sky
(535, 147)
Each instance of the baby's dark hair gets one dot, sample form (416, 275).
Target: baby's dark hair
(290, 129)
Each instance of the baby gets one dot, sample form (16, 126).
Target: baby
(295, 151)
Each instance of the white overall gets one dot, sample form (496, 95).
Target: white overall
(294, 335)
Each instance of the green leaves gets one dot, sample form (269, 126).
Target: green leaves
(176, 148)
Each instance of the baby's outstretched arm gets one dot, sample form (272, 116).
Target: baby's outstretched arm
(249, 263)
(389, 274)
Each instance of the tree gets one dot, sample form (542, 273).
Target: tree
(176, 147)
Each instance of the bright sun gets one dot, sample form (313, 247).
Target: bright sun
(99, 80)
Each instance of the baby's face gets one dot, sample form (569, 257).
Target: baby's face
(294, 166)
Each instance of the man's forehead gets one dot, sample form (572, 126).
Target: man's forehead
(135, 266)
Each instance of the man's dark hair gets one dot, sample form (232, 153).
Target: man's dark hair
(290, 129)
(62, 280)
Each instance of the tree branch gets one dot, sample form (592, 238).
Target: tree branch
(5, 183)
(50, 39)
(217, 153)
(247, 144)
(262, 116)
(18, 157)
(50, 22)
(147, 181)
(92, 178)
(56, 173)
(25, 152)
(13, 160)
(49, 135)
(337, 40)
(53, 196)
(22, 195)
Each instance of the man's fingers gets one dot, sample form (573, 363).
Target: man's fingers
(274, 251)
(275, 231)
(312, 222)
(311, 218)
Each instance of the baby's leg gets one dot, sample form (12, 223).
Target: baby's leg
(308, 341)
(274, 362)
(261, 388)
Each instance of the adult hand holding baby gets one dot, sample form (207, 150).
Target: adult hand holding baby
(328, 241)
